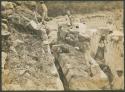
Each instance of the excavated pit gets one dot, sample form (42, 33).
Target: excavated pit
(85, 56)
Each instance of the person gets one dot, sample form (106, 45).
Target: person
(45, 11)
(68, 13)
(35, 12)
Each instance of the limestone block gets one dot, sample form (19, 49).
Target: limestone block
(99, 77)
(7, 5)
(118, 83)
(74, 67)
(94, 42)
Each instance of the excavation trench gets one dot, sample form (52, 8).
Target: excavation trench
(25, 50)
(107, 71)
(105, 68)
(61, 75)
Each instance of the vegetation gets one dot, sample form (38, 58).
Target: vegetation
(76, 7)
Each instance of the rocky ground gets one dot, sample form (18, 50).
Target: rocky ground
(87, 56)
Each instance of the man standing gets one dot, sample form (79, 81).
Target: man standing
(45, 11)
(69, 16)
